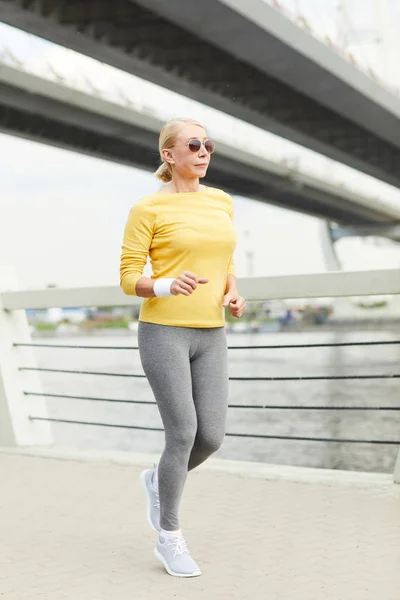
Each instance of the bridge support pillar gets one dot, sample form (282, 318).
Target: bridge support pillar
(332, 262)
(16, 428)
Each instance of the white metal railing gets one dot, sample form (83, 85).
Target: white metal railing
(15, 426)
(315, 285)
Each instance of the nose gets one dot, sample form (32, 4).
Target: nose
(203, 151)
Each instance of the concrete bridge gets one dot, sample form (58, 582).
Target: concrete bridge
(54, 113)
(244, 58)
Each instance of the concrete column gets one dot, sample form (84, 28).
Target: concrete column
(16, 429)
(332, 262)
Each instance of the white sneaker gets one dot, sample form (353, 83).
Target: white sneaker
(153, 499)
(173, 553)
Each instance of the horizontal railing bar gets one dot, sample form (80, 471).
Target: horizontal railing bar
(277, 287)
(90, 398)
(315, 407)
(271, 347)
(317, 377)
(247, 435)
(264, 406)
(326, 345)
(303, 378)
(81, 372)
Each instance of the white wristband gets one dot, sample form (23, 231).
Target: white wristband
(162, 287)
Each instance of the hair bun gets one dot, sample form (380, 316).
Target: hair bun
(164, 172)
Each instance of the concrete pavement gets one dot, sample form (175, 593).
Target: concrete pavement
(73, 526)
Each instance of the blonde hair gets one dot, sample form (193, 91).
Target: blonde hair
(168, 135)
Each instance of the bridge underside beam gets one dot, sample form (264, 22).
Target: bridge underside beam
(158, 41)
(390, 231)
(233, 177)
(52, 113)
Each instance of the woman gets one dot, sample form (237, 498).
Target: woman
(187, 230)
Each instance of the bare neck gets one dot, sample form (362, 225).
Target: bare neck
(182, 185)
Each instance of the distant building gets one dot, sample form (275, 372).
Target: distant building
(56, 315)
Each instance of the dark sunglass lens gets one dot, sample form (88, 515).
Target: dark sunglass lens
(194, 145)
(210, 146)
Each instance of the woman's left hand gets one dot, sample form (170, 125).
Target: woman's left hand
(237, 304)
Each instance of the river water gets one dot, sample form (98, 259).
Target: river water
(328, 361)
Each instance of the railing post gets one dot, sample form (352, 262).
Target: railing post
(16, 429)
(396, 474)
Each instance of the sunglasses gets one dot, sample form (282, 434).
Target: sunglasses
(195, 145)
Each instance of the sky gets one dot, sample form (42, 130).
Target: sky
(62, 214)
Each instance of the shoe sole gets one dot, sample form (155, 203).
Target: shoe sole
(160, 557)
(148, 507)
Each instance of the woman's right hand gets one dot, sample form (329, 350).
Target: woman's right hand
(186, 283)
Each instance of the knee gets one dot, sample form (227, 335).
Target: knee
(183, 441)
(210, 442)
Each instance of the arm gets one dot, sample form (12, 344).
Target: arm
(231, 285)
(231, 282)
(137, 239)
(138, 235)
(236, 303)
(145, 288)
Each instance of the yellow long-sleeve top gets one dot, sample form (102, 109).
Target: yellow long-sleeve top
(181, 232)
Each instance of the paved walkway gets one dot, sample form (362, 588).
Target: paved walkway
(76, 529)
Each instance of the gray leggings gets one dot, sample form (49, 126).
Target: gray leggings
(187, 369)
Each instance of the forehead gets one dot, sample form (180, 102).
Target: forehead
(192, 131)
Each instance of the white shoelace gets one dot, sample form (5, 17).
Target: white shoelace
(177, 544)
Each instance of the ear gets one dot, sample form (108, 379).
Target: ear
(167, 156)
